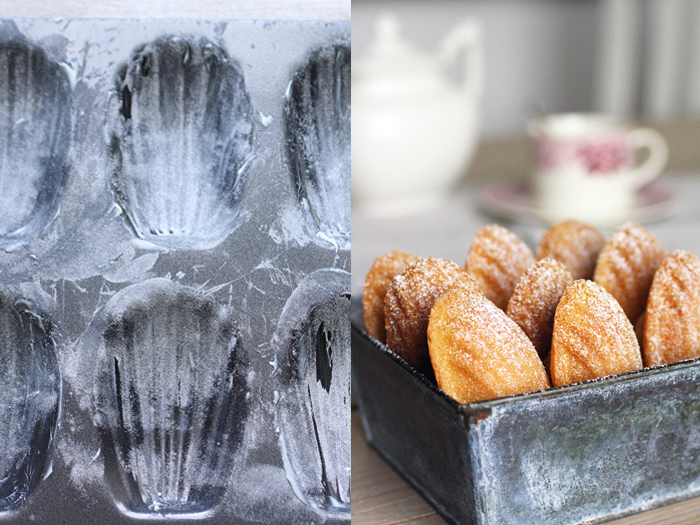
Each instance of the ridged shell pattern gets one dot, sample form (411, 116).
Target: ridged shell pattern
(318, 131)
(30, 397)
(314, 386)
(170, 398)
(182, 142)
(35, 100)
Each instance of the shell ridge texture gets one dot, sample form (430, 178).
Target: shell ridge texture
(313, 341)
(182, 140)
(172, 387)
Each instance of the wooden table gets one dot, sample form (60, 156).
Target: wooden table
(381, 497)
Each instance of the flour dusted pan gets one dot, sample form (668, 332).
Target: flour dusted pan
(170, 398)
(313, 409)
(35, 104)
(30, 395)
(318, 134)
(181, 141)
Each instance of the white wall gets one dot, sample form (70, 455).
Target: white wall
(536, 51)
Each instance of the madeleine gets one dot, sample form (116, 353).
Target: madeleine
(672, 321)
(626, 267)
(478, 352)
(592, 336)
(377, 282)
(496, 260)
(408, 302)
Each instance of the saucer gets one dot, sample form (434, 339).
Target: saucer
(512, 201)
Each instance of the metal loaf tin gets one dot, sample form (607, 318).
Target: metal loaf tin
(584, 453)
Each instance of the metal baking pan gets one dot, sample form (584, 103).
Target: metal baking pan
(584, 453)
(174, 271)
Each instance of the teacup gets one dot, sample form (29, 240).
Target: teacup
(589, 166)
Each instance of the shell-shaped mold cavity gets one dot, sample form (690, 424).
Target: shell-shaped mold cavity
(181, 142)
(30, 396)
(313, 409)
(35, 99)
(170, 398)
(318, 134)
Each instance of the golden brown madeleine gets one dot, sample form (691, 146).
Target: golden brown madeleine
(497, 258)
(592, 336)
(626, 267)
(377, 281)
(672, 326)
(478, 352)
(535, 300)
(407, 306)
(575, 244)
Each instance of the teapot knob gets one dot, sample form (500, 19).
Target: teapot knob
(387, 38)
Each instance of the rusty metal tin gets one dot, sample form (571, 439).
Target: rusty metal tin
(584, 453)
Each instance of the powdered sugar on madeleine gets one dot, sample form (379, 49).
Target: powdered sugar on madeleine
(409, 300)
(626, 267)
(497, 258)
(535, 299)
(377, 282)
(478, 352)
(592, 336)
(672, 320)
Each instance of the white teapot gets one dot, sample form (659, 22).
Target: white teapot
(414, 128)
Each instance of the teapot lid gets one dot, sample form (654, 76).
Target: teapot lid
(390, 55)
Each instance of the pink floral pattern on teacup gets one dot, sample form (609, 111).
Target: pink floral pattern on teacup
(604, 157)
(597, 157)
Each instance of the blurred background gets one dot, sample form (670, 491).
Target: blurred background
(637, 58)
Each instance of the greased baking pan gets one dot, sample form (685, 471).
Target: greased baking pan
(584, 453)
(174, 271)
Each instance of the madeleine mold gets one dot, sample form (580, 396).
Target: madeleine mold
(182, 141)
(174, 258)
(318, 131)
(30, 397)
(35, 98)
(170, 397)
(314, 390)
